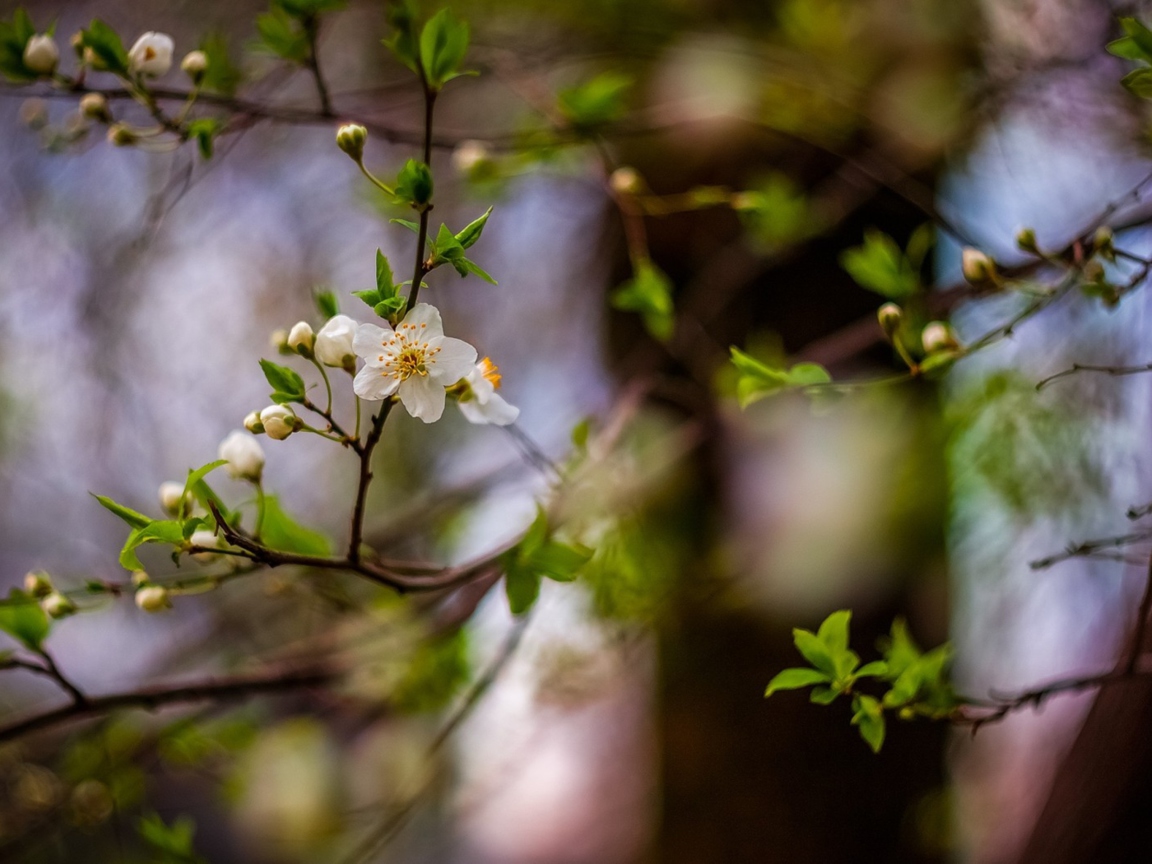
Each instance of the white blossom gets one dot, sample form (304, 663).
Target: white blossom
(171, 497)
(244, 455)
(333, 345)
(151, 55)
(415, 361)
(279, 421)
(478, 400)
(41, 54)
(301, 338)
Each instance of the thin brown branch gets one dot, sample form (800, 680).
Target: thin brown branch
(1091, 547)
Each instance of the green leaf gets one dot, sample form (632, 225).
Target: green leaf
(794, 679)
(758, 380)
(369, 295)
(522, 587)
(869, 717)
(280, 531)
(22, 618)
(815, 651)
(558, 561)
(204, 132)
(875, 669)
(411, 226)
(414, 184)
(648, 292)
(879, 265)
(222, 76)
(14, 36)
(390, 307)
(159, 531)
(282, 35)
(1140, 36)
(833, 631)
(823, 695)
(106, 45)
(471, 232)
(134, 519)
(403, 43)
(472, 267)
(596, 102)
(326, 304)
(443, 44)
(173, 843)
(196, 477)
(287, 384)
(1139, 83)
(385, 283)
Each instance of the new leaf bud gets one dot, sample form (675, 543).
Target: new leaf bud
(1026, 240)
(976, 266)
(351, 138)
(153, 598)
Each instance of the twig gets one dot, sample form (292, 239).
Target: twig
(1076, 368)
(1089, 547)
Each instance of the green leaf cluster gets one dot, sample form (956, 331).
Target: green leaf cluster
(384, 299)
(437, 53)
(776, 212)
(203, 131)
(14, 35)
(1135, 45)
(287, 385)
(881, 266)
(535, 557)
(173, 843)
(105, 46)
(649, 293)
(758, 379)
(448, 248)
(414, 185)
(596, 102)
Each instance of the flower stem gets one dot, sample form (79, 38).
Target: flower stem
(259, 508)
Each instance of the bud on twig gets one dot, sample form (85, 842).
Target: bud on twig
(194, 65)
(41, 54)
(976, 266)
(1103, 242)
(301, 338)
(153, 598)
(252, 423)
(56, 605)
(938, 336)
(207, 540)
(279, 421)
(1026, 240)
(890, 315)
(94, 106)
(37, 584)
(121, 135)
(351, 138)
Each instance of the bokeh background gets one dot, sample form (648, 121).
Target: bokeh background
(627, 724)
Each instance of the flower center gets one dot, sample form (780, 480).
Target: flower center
(406, 355)
(411, 362)
(491, 372)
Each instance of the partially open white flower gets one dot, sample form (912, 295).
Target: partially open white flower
(41, 54)
(153, 598)
(333, 345)
(151, 55)
(301, 337)
(279, 421)
(478, 400)
(244, 455)
(416, 361)
(172, 497)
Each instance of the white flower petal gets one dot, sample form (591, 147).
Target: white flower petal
(496, 411)
(372, 384)
(369, 343)
(423, 397)
(482, 389)
(425, 318)
(455, 359)
(334, 341)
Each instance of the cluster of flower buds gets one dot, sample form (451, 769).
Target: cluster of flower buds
(55, 604)
(149, 596)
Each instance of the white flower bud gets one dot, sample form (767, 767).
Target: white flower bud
(301, 338)
(351, 138)
(205, 539)
(333, 345)
(279, 340)
(194, 65)
(279, 421)
(976, 266)
(244, 455)
(140, 577)
(37, 583)
(94, 106)
(470, 156)
(890, 315)
(938, 336)
(252, 423)
(41, 54)
(56, 605)
(171, 496)
(121, 135)
(153, 598)
(151, 54)
(626, 181)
